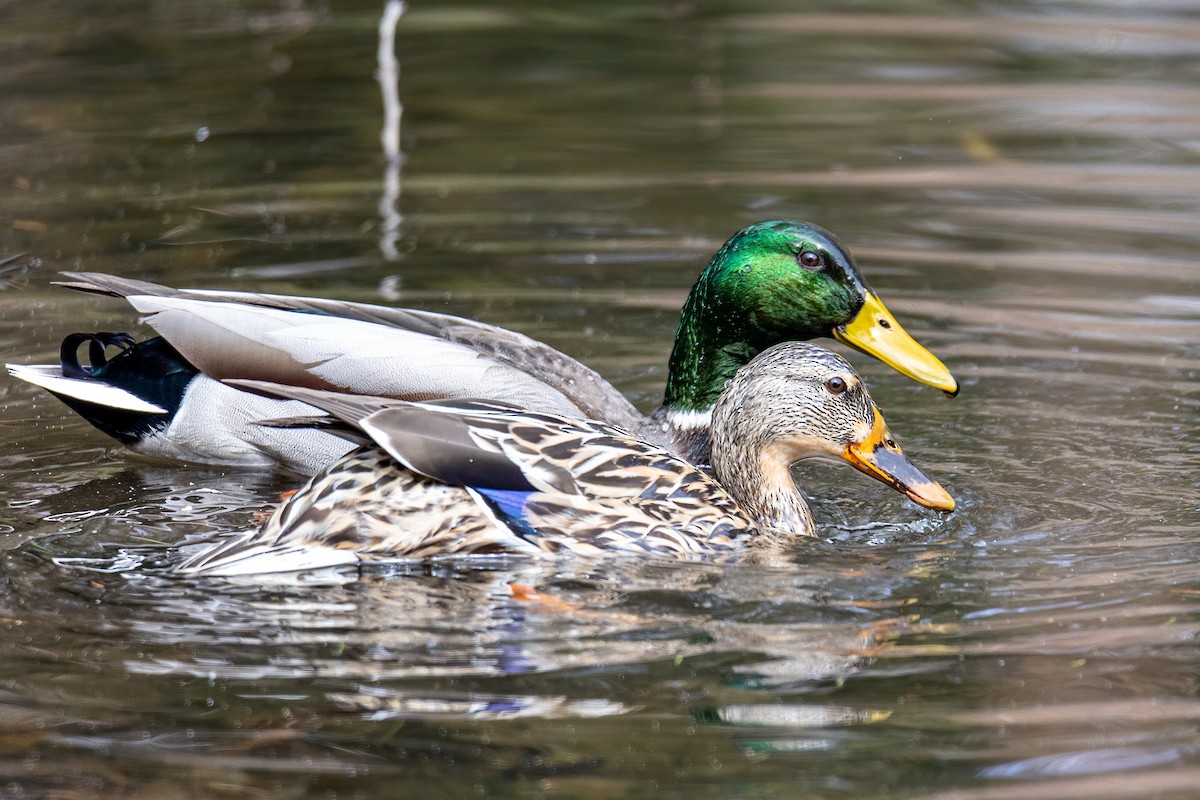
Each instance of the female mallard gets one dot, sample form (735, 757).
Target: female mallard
(458, 477)
(774, 281)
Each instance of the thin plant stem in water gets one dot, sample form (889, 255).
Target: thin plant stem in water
(388, 75)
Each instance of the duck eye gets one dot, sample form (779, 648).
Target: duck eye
(835, 385)
(810, 259)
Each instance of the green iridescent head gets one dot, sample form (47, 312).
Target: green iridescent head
(778, 281)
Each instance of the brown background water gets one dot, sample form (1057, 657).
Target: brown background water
(1019, 180)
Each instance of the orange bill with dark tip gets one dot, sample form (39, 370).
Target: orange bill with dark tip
(876, 332)
(878, 455)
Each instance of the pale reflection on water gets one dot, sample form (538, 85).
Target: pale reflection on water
(1017, 180)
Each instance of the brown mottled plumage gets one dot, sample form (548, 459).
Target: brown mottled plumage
(462, 477)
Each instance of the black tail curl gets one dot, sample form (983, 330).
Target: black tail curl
(152, 370)
(98, 343)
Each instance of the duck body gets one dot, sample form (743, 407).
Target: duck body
(771, 282)
(465, 477)
(368, 506)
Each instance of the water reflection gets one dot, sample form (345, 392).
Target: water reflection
(474, 619)
(283, 672)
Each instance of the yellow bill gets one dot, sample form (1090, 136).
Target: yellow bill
(876, 332)
(878, 455)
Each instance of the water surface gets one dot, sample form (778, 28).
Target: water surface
(1019, 181)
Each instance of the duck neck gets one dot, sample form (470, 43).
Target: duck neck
(708, 352)
(765, 489)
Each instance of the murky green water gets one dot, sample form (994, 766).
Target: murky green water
(1021, 183)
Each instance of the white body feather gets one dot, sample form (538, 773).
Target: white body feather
(217, 424)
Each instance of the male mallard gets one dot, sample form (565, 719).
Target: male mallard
(771, 282)
(461, 476)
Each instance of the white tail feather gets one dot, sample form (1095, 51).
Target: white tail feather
(264, 558)
(89, 391)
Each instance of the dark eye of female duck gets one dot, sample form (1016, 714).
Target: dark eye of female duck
(810, 259)
(835, 385)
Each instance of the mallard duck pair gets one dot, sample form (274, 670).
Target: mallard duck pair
(454, 459)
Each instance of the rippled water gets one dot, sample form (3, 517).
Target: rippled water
(1020, 183)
